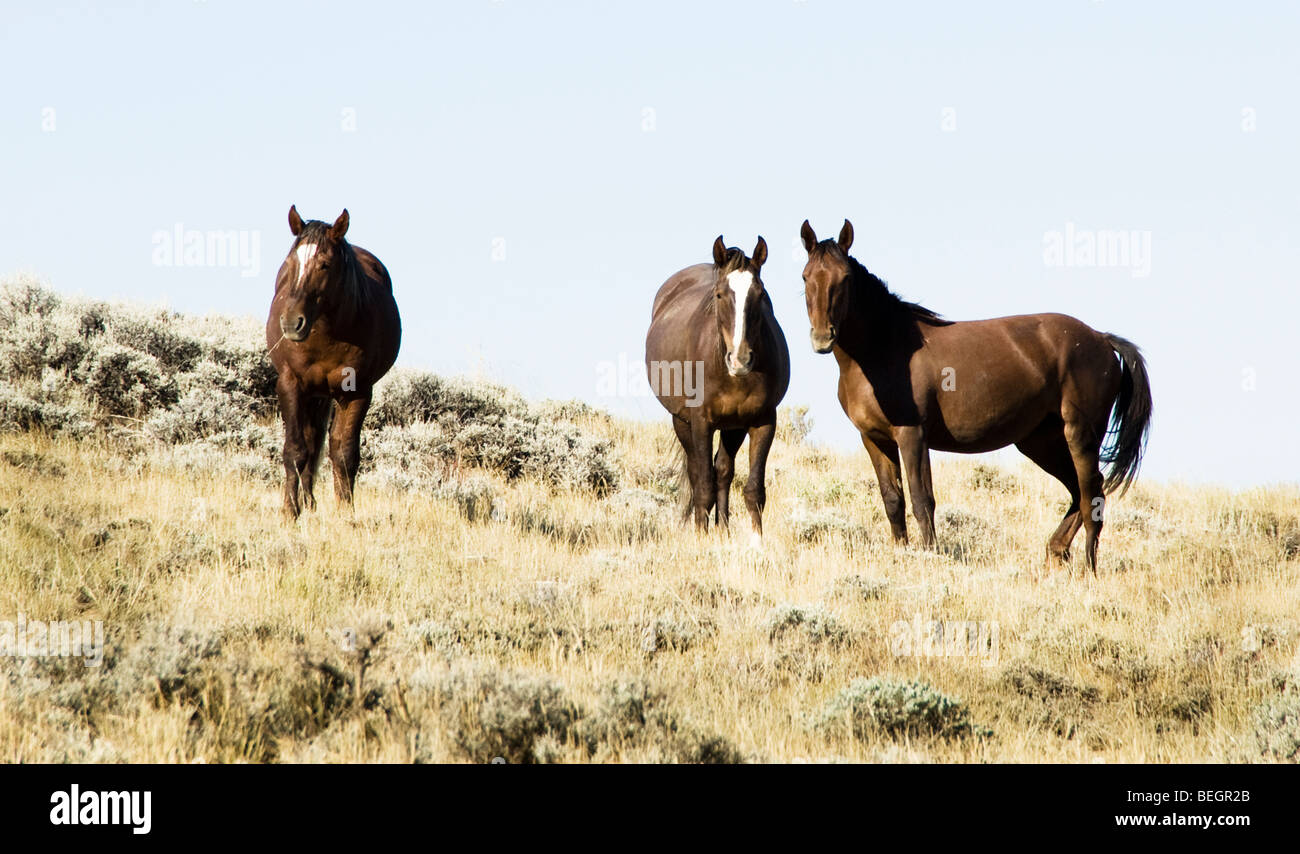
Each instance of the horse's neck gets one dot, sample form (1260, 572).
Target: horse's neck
(874, 323)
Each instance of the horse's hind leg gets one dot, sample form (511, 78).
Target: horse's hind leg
(1047, 447)
(1085, 447)
(345, 445)
(724, 468)
(682, 428)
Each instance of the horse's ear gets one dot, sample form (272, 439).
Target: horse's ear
(719, 251)
(340, 226)
(846, 237)
(295, 221)
(809, 236)
(760, 252)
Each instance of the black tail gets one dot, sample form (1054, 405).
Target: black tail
(1130, 418)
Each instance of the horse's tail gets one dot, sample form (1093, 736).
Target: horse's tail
(1130, 418)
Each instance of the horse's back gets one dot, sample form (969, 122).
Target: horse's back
(1024, 368)
(1041, 339)
(375, 274)
(1073, 346)
(387, 320)
(676, 306)
(685, 287)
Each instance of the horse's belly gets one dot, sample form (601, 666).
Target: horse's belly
(985, 424)
(677, 383)
(979, 445)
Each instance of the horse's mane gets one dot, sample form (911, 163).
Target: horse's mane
(354, 289)
(878, 292)
(314, 231)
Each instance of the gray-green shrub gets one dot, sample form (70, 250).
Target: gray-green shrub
(882, 706)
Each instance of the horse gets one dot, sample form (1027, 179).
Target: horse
(1068, 397)
(718, 362)
(332, 332)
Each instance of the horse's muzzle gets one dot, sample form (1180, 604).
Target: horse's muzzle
(295, 328)
(737, 369)
(822, 342)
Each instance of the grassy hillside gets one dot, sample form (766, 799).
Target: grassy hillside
(514, 582)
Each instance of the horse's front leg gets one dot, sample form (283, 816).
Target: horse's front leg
(889, 476)
(314, 413)
(700, 462)
(345, 444)
(916, 463)
(760, 442)
(724, 467)
(297, 455)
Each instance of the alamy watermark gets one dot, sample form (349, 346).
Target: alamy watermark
(1085, 247)
(189, 247)
(61, 638)
(626, 378)
(131, 808)
(924, 638)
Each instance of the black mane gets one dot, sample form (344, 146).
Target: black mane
(313, 231)
(875, 289)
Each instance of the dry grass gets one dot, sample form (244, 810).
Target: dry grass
(514, 582)
(418, 628)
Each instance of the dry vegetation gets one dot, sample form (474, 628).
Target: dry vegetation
(514, 583)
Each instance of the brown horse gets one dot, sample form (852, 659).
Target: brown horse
(333, 331)
(911, 381)
(718, 361)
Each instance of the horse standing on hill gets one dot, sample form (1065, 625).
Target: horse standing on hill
(718, 362)
(911, 381)
(332, 332)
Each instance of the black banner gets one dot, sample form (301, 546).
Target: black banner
(301, 804)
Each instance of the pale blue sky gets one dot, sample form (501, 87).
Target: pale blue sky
(526, 122)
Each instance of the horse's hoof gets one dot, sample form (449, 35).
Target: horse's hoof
(1057, 562)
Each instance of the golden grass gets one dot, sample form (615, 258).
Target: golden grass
(1144, 662)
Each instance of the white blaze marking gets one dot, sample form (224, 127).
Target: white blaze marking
(305, 251)
(740, 283)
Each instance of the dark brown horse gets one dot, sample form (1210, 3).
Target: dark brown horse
(333, 331)
(911, 381)
(718, 361)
